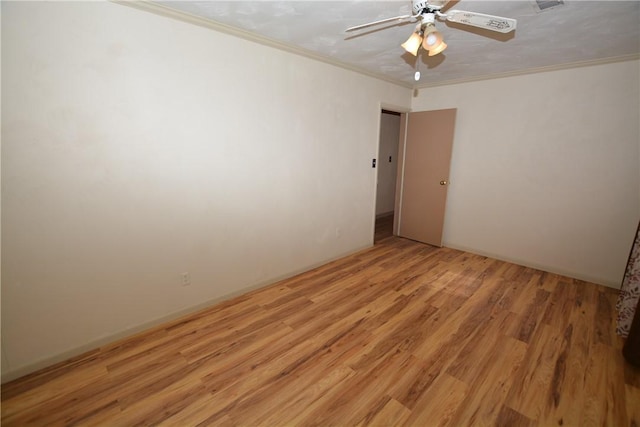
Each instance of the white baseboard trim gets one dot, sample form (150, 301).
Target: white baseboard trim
(120, 335)
(524, 263)
(162, 321)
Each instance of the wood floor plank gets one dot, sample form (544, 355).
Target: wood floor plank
(531, 317)
(489, 384)
(193, 414)
(439, 403)
(529, 394)
(632, 401)
(56, 386)
(71, 370)
(73, 407)
(568, 384)
(600, 375)
(232, 340)
(162, 404)
(386, 413)
(511, 418)
(359, 394)
(461, 324)
(482, 349)
(398, 334)
(309, 398)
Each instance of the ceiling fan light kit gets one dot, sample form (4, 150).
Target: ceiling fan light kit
(433, 42)
(413, 42)
(428, 37)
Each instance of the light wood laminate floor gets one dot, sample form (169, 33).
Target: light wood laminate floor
(383, 228)
(399, 334)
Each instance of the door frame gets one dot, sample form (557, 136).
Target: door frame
(404, 122)
(400, 156)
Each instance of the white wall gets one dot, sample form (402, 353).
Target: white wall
(386, 190)
(545, 168)
(136, 147)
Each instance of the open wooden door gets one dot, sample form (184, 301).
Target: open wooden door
(424, 175)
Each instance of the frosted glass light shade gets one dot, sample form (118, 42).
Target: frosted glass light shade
(412, 44)
(437, 49)
(433, 42)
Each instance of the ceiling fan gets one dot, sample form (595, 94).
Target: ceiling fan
(428, 37)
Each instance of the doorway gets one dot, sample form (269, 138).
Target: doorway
(417, 178)
(390, 122)
(425, 175)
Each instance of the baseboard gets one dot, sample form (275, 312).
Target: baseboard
(121, 335)
(524, 263)
(162, 321)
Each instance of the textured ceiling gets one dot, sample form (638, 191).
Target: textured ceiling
(576, 32)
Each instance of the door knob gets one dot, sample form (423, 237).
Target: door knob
(443, 182)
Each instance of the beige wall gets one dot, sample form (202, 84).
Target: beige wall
(136, 148)
(545, 168)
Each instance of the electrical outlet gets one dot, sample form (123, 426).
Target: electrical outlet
(186, 279)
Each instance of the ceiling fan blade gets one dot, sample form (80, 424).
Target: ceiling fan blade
(437, 4)
(480, 20)
(382, 21)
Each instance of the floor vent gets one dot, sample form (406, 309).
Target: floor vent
(544, 5)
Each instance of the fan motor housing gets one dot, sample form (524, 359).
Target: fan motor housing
(419, 6)
(422, 6)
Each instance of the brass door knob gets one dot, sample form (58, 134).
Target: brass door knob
(443, 183)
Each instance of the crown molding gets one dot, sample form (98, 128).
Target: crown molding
(558, 67)
(158, 9)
